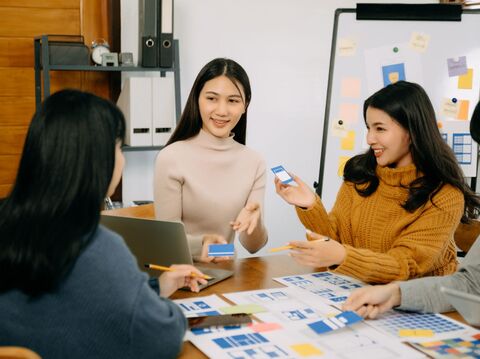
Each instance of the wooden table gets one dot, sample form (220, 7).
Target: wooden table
(250, 274)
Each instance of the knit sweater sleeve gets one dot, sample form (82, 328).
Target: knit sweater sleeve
(167, 193)
(258, 238)
(319, 221)
(416, 249)
(424, 294)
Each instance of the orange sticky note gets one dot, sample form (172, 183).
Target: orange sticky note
(415, 333)
(465, 82)
(349, 112)
(351, 87)
(264, 327)
(348, 142)
(306, 350)
(342, 160)
(463, 109)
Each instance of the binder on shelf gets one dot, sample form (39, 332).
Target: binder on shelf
(135, 101)
(165, 33)
(149, 13)
(163, 109)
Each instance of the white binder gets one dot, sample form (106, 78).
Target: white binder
(163, 109)
(135, 101)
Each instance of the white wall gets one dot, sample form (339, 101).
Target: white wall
(284, 45)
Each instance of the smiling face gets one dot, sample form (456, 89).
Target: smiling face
(389, 141)
(221, 105)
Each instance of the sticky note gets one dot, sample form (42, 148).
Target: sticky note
(349, 112)
(342, 161)
(338, 128)
(449, 108)
(415, 333)
(347, 47)
(465, 82)
(419, 42)
(264, 327)
(243, 308)
(306, 350)
(463, 109)
(221, 250)
(457, 67)
(341, 320)
(348, 142)
(351, 87)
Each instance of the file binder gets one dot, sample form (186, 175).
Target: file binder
(135, 101)
(163, 109)
(165, 33)
(149, 24)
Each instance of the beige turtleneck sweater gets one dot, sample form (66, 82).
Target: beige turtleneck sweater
(383, 241)
(205, 182)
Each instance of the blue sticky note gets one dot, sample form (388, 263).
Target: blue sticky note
(221, 250)
(339, 321)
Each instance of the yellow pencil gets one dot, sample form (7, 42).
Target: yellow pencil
(282, 248)
(168, 269)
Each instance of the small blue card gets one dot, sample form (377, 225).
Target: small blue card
(337, 322)
(282, 174)
(221, 250)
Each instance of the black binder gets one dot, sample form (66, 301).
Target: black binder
(149, 25)
(165, 33)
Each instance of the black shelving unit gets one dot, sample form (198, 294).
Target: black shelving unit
(42, 65)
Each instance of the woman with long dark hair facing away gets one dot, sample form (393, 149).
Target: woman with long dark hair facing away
(69, 287)
(400, 202)
(206, 177)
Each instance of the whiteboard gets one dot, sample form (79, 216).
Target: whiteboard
(442, 56)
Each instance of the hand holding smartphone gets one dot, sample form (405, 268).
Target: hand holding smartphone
(282, 174)
(219, 320)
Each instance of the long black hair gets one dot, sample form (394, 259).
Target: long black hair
(191, 121)
(408, 104)
(64, 174)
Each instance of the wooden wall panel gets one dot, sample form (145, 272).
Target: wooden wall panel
(16, 111)
(36, 21)
(12, 140)
(53, 4)
(16, 52)
(5, 190)
(8, 168)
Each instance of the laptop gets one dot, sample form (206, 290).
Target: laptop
(158, 242)
(468, 305)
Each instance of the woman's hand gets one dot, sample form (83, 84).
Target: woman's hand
(207, 240)
(369, 302)
(300, 195)
(247, 219)
(182, 275)
(320, 251)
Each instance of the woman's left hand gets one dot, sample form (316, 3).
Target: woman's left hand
(319, 252)
(247, 219)
(182, 275)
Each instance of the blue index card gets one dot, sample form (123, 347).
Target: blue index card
(337, 322)
(282, 174)
(221, 250)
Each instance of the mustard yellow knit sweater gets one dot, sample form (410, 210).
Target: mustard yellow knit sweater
(383, 241)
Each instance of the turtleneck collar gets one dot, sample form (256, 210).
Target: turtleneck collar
(207, 140)
(398, 177)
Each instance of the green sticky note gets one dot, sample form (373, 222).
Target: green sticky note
(243, 308)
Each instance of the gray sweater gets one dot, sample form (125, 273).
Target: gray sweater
(424, 294)
(104, 309)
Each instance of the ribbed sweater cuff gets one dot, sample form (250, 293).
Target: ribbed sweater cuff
(311, 217)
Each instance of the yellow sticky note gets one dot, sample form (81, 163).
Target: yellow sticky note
(348, 142)
(349, 112)
(306, 350)
(465, 82)
(432, 344)
(419, 42)
(463, 109)
(351, 87)
(347, 47)
(342, 160)
(243, 308)
(415, 333)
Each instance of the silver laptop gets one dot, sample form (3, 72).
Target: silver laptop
(158, 242)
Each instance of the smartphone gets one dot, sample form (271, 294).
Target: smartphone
(282, 174)
(219, 320)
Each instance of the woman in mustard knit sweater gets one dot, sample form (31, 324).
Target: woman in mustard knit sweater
(400, 202)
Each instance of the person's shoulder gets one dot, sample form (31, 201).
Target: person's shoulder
(170, 153)
(449, 194)
(249, 152)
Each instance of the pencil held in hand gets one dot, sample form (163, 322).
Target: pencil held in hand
(282, 248)
(168, 269)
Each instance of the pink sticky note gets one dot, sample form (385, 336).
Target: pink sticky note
(351, 87)
(349, 112)
(264, 327)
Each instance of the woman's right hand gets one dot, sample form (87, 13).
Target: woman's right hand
(300, 195)
(182, 275)
(211, 239)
